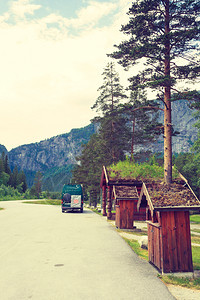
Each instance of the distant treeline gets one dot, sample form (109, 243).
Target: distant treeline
(13, 184)
(14, 178)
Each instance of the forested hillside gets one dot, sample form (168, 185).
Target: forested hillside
(3, 149)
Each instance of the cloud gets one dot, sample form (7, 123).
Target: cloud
(49, 74)
(91, 14)
(19, 9)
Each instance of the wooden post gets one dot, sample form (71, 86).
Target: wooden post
(104, 200)
(109, 201)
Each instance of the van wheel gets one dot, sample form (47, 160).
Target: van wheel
(63, 211)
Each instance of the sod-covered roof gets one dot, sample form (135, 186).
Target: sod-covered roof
(160, 196)
(125, 192)
(108, 179)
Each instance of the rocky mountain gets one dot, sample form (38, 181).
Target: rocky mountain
(48, 156)
(55, 157)
(54, 152)
(183, 122)
(3, 149)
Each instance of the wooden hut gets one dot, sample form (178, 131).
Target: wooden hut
(126, 198)
(124, 194)
(168, 223)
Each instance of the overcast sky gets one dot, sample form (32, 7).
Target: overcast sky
(52, 55)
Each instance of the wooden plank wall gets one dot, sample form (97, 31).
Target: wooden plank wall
(125, 214)
(176, 242)
(154, 244)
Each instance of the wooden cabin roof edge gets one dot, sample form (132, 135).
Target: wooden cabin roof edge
(114, 192)
(147, 195)
(177, 208)
(125, 183)
(126, 198)
(106, 174)
(186, 181)
(145, 192)
(118, 197)
(140, 198)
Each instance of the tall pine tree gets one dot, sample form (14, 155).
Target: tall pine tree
(163, 33)
(111, 92)
(113, 125)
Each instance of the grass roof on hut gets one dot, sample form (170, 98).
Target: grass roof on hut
(162, 195)
(127, 170)
(175, 195)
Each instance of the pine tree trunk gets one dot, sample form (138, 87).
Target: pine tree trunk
(132, 141)
(167, 138)
(167, 99)
(112, 123)
(113, 142)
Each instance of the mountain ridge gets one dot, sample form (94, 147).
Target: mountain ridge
(56, 152)
(56, 156)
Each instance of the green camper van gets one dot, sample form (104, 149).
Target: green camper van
(72, 198)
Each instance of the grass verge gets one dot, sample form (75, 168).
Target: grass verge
(195, 219)
(195, 239)
(138, 233)
(195, 230)
(184, 282)
(169, 279)
(196, 257)
(143, 253)
(96, 211)
(45, 201)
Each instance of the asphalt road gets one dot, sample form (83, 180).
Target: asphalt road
(47, 255)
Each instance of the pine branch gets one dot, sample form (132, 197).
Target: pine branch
(190, 60)
(147, 107)
(161, 99)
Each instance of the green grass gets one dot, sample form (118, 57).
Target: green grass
(96, 211)
(11, 198)
(143, 253)
(1, 208)
(196, 257)
(168, 279)
(184, 282)
(195, 230)
(131, 170)
(195, 239)
(46, 202)
(195, 219)
(138, 233)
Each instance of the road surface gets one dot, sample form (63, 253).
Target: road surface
(47, 255)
